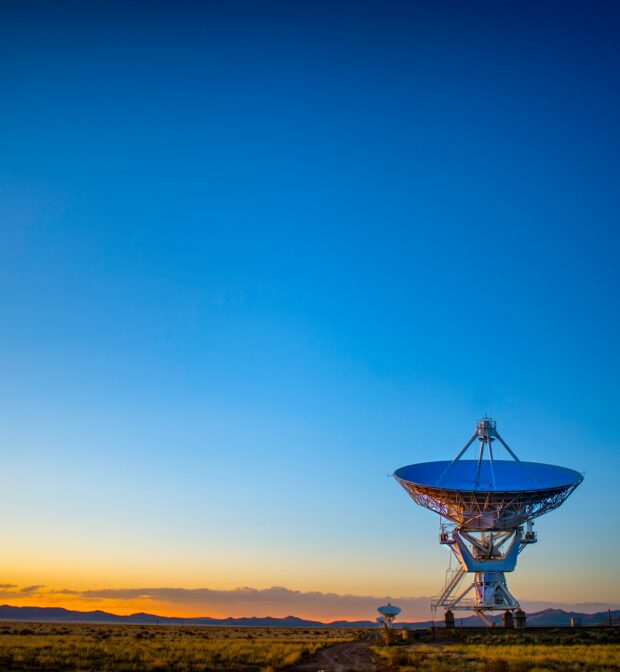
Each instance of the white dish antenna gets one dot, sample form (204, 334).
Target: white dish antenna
(388, 613)
(488, 506)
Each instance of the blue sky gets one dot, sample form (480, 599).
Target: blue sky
(253, 259)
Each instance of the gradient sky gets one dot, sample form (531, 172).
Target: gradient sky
(256, 256)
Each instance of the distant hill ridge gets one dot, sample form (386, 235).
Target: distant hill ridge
(547, 617)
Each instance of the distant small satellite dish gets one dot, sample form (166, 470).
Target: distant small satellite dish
(388, 613)
(389, 610)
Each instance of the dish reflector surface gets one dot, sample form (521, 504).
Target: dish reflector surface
(389, 610)
(500, 496)
(496, 476)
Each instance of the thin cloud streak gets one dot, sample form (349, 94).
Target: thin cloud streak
(276, 601)
(279, 601)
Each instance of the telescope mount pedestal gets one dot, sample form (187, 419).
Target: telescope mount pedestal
(487, 555)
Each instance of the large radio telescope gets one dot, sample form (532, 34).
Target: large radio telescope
(488, 506)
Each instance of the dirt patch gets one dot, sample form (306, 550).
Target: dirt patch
(348, 657)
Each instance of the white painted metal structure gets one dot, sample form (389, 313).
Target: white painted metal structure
(487, 507)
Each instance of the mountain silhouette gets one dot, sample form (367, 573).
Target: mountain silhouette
(547, 617)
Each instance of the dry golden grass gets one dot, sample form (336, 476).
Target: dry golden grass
(534, 656)
(129, 648)
(503, 657)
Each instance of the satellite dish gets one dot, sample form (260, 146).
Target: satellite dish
(488, 494)
(389, 610)
(388, 613)
(486, 502)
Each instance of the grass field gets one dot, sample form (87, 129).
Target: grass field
(30, 647)
(581, 651)
(132, 648)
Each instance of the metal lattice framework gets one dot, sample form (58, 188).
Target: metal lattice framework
(490, 510)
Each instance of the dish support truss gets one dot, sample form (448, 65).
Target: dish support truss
(488, 555)
(480, 510)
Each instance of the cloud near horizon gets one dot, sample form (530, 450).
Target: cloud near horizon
(274, 601)
(282, 601)
(277, 601)
(11, 590)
